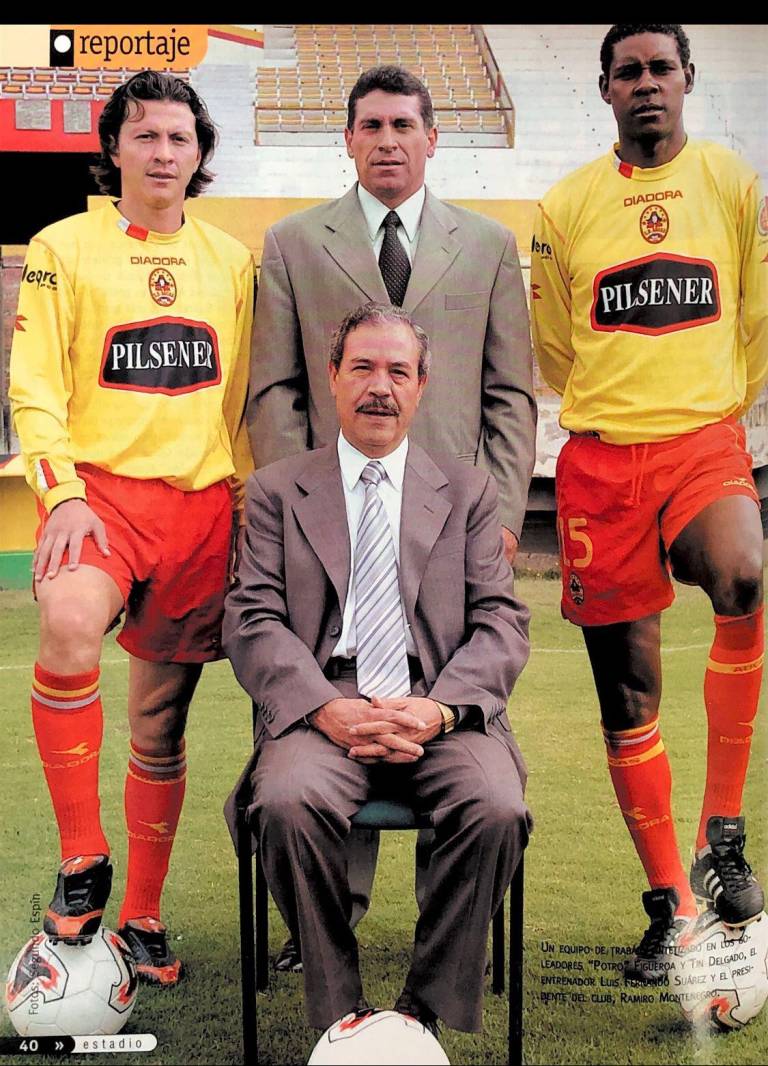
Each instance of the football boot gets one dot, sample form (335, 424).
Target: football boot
(652, 958)
(721, 877)
(82, 890)
(156, 963)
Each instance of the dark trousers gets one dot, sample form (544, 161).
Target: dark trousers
(306, 790)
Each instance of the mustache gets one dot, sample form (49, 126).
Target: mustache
(378, 407)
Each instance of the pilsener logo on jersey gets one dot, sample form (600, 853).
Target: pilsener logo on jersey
(167, 355)
(657, 294)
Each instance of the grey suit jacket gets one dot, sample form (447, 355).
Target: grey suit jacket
(465, 291)
(283, 617)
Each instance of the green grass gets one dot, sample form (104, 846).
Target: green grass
(583, 883)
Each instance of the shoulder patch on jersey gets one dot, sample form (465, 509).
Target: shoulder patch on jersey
(762, 217)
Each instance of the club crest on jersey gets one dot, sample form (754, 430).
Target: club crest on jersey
(762, 217)
(162, 287)
(166, 355)
(659, 293)
(654, 224)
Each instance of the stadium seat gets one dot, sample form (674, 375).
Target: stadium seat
(381, 814)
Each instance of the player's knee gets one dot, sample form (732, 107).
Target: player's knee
(71, 633)
(740, 591)
(633, 706)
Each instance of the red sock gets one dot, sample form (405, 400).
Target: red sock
(731, 694)
(642, 780)
(67, 719)
(154, 794)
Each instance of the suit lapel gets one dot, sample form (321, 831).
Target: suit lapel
(348, 243)
(322, 515)
(435, 251)
(424, 513)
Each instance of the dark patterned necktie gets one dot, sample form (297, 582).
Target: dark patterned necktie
(394, 264)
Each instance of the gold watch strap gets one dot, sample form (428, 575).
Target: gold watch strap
(449, 717)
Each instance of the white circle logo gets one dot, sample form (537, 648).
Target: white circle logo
(62, 43)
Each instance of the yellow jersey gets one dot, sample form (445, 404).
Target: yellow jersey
(649, 294)
(131, 353)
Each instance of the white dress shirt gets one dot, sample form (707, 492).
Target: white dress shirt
(409, 212)
(390, 490)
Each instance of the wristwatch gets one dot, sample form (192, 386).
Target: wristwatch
(449, 717)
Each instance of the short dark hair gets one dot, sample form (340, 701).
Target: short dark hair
(151, 85)
(395, 80)
(627, 29)
(381, 314)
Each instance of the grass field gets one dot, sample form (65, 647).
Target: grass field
(583, 883)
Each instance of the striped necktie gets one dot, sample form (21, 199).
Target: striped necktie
(382, 661)
(394, 264)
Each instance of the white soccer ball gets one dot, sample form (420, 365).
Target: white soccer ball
(72, 990)
(377, 1038)
(720, 976)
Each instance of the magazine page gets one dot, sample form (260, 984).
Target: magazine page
(127, 280)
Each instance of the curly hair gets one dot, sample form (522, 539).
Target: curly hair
(631, 29)
(151, 85)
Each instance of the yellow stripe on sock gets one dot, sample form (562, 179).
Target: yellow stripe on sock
(735, 668)
(65, 693)
(634, 760)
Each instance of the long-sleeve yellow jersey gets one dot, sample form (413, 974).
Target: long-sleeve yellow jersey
(131, 353)
(649, 293)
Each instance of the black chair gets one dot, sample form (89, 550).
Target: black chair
(376, 814)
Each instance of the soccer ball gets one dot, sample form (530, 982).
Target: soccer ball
(720, 976)
(372, 1037)
(72, 990)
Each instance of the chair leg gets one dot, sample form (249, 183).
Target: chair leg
(261, 903)
(516, 966)
(497, 950)
(247, 955)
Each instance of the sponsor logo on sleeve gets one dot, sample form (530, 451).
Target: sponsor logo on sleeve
(41, 279)
(541, 248)
(165, 355)
(654, 224)
(656, 294)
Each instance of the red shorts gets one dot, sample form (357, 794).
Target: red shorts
(170, 555)
(621, 506)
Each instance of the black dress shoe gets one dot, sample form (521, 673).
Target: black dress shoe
(408, 1004)
(289, 958)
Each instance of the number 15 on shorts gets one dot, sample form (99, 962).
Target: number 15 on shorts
(575, 543)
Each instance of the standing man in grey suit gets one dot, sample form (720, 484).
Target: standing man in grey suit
(375, 628)
(455, 272)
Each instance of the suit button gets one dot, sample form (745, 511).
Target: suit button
(334, 631)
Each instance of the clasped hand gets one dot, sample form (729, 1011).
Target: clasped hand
(384, 730)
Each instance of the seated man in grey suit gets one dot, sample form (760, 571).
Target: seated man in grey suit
(390, 239)
(375, 627)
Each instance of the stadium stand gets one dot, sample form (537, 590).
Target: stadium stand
(57, 82)
(309, 96)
